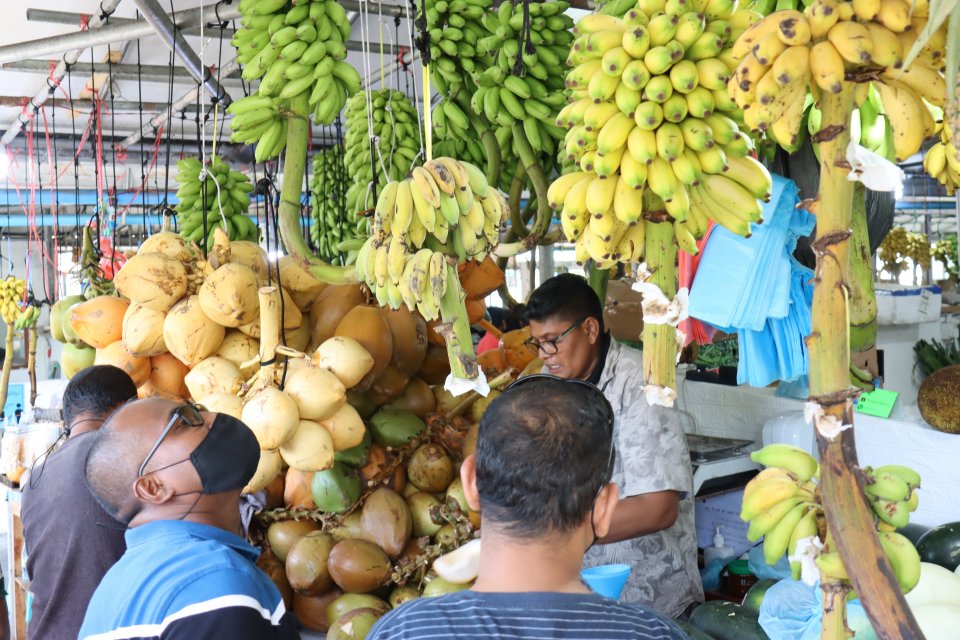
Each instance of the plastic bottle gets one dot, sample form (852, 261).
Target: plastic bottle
(719, 550)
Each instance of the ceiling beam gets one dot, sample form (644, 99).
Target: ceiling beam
(50, 16)
(148, 72)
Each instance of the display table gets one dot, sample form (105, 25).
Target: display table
(15, 581)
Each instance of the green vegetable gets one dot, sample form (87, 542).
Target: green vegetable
(727, 621)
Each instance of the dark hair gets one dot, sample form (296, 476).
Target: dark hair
(97, 391)
(543, 452)
(111, 470)
(565, 297)
(503, 319)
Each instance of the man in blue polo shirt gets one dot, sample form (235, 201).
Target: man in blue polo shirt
(173, 474)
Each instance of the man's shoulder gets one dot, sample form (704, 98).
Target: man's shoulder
(623, 363)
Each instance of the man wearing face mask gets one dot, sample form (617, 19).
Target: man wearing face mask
(652, 528)
(173, 474)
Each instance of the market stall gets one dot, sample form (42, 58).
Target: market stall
(299, 212)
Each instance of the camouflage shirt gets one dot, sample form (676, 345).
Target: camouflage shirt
(652, 456)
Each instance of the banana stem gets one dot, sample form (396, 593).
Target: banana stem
(7, 367)
(598, 279)
(294, 165)
(863, 297)
(517, 226)
(456, 329)
(846, 511)
(31, 335)
(528, 157)
(269, 324)
(491, 147)
(660, 249)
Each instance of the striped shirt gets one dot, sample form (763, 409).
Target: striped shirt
(523, 616)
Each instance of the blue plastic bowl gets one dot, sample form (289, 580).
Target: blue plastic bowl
(607, 579)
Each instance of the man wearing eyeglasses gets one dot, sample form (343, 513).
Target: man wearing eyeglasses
(173, 475)
(653, 525)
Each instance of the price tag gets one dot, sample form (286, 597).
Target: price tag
(878, 402)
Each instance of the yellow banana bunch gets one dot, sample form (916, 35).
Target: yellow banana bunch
(788, 53)
(11, 294)
(445, 209)
(649, 114)
(27, 317)
(942, 160)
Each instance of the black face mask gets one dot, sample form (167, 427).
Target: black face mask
(228, 457)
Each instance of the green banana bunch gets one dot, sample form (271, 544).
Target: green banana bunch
(27, 317)
(397, 135)
(296, 48)
(891, 492)
(231, 197)
(649, 111)
(453, 29)
(11, 293)
(334, 230)
(526, 82)
(444, 209)
(261, 120)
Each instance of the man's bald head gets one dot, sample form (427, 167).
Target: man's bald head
(121, 446)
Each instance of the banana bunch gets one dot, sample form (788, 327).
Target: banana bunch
(530, 42)
(788, 52)
(332, 223)
(11, 293)
(452, 31)
(942, 160)
(295, 48)
(222, 194)
(27, 317)
(445, 209)
(260, 120)
(466, 146)
(650, 116)
(397, 137)
(782, 507)
(892, 250)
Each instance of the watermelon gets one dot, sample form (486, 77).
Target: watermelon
(727, 621)
(913, 531)
(754, 595)
(692, 632)
(941, 545)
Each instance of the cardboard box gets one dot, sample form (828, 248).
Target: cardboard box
(622, 314)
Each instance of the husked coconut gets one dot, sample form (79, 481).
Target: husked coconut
(166, 378)
(345, 358)
(238, 348)
(329, 308)
(267, 471)
(310, 448)
(318, 392)
(272, 415)
(366, 325)
(251, 255)
(298, 338)
(346, 427)
(98, 322)
(136, 367)
(169, 244)
(143, 331)
(213, 375)
(153, 280)
(189, 334)
(227, 403)
(229, 295)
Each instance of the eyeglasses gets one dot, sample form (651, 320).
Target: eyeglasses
(187, 414)
(549, 347)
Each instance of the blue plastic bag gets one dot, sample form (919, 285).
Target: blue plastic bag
(792, 610)
(763, 571)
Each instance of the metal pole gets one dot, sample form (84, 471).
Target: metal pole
(69, 17)
(107, 7)
(210, 15)
(187, 99)
(390, 69)
(168, 32)
(145, 72)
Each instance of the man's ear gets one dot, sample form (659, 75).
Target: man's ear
(592, 327)
(152, 490)
(468, 475)
(604, 507)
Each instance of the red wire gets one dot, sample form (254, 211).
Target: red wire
(53, 203)
(153, 160)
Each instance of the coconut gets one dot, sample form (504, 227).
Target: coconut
(299, 338)
(355, 625)
(69, 335)
(213, 375)
(430, 469)
(362, 403)
(73, 359)
(345, 427)
(239, 348)
(366, 325)
(153, 280)
(229, 295)
(436, 365)
(311, 612)
(306, 563)
(297, 489)
(376, 465)
(409, 332)
(402, 595)
(299, 282)
(223, 403)
(345, 358)
(357, 456)
(99, 321)
(166, 378)
(143, 331)
(169, 244)
(284, 534)
(420, 504)
(59, 316)
(386, 521)
(250, 255)
(395, 428)
(389, 386)
(479, 406)
(337, 489)
(455, 492)
(136, 367)
(189, 334)
(358, 566)
(445, 400)
(440, 587)
(351, 602)
(270, 565)
(309, 449)
(329, 308)
(417, 398)
(272, 415)
(318, 392)
(267, 470)
(274, 492)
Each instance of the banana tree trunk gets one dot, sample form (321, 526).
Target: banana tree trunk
(660, 340)
(863, 297)
(848, 515)
(295, 162)
(599, 278)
